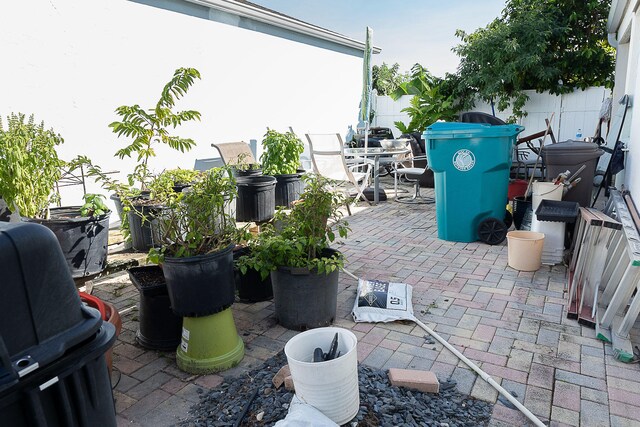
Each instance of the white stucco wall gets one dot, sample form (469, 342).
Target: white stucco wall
(72, 62)
(626, 36)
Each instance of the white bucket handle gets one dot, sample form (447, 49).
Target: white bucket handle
(556, 186)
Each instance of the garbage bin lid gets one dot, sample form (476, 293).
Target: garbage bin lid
(571, 147)
(444, 130)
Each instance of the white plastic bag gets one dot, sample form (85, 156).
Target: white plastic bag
(378, 301)
(303, 415)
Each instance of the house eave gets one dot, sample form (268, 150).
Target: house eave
(281, 21)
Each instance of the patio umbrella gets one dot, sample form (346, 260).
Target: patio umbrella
(365, 102)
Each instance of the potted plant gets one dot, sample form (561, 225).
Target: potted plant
(281, 159)
(303, 268)
(149, 128)
(197, 235)
(250, 285)
(30, 169)
(241, 167)
(159, 328)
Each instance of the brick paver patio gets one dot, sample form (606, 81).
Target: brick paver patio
(512, 324)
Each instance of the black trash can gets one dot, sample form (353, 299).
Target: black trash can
(571, 155)
(52, 364)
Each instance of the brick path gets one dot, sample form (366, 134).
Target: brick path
(512, 324)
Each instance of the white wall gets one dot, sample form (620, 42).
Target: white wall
(573, 111)
(72, 62)
(627, 82)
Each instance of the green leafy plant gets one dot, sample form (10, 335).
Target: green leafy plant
(241, 163)
(282, 153)
(150, 127)
(386, 79)
(544, 45)
(198, 221)
(29, 165)
(308, 229)
(163, 186)
(93, 206)
(430, 102)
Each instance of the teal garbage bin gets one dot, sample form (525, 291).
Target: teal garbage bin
(471, 163)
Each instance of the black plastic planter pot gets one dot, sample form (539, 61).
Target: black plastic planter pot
(83, 240)
(256, 198)
(200, 285)
(250, 286)
(141, 226)
(254, 170)
(159, 328)
(288, 189)
(521, 206)
(303, 299)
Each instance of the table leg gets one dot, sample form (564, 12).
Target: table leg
(376, 179)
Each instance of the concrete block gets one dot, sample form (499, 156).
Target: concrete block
(278, 379)
(425, 381)
(288, 383)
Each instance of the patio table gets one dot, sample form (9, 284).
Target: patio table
(376, 153)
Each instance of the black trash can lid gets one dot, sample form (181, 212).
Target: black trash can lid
(576, 151)
(571, 147)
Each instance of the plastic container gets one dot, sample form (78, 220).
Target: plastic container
(517, 187)
(288, 189)
(256, 198)
(331, 386)
(74, 390)
(525, 250)
(571, 155)
(83, 240)
(545, 191)
(554, 231)
(159, 328)
(522, 212)
(558, 211)
(471, 163)
(200, 285)
(41, 316)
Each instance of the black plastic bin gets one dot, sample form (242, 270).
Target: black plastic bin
(557, 211)
(52, 363)
(571, 155)
(40, 311)
(75, 390)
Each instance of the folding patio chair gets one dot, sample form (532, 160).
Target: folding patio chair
(327, 156)
(233, 153)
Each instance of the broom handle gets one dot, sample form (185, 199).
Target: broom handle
(482, 374)
(544, 137)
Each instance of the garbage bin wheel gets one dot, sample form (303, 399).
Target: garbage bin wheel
(492, 231)
(508, 219)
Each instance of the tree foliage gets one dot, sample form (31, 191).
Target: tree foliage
(546, 45)
(149, 127)
(386, 79)
(430, 102)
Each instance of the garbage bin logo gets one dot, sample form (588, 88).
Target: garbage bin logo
(464, 160)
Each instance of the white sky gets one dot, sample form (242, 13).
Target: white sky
(408, 31)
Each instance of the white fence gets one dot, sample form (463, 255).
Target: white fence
(573, 111)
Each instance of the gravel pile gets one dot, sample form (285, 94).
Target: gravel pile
(381, 404)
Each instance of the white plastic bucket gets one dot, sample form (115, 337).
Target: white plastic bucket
(331, 386)
(545, 191)
(525, 250)
(553, 239)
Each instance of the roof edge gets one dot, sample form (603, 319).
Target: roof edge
(282, 21)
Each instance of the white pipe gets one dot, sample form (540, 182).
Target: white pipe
(482, 374)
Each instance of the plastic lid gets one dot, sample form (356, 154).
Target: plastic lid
(571, 147)
(465, 130)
